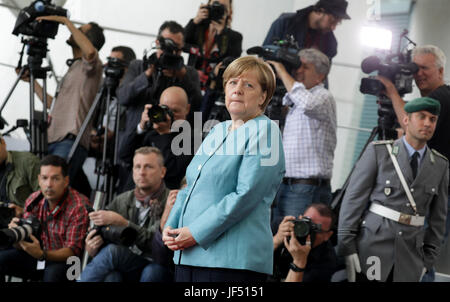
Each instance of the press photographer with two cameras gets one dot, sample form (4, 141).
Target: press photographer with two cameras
(154, 129)
(140, 209)
(309, 136)
(210, 31)
(302, 247)
(146, 79)
(52, 229)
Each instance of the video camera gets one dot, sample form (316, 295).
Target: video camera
(25, 227)
(169, 59)
(120, 235)
(304, 227)
(283, 51)
(115, 68)
(158, 113)
(26, 23)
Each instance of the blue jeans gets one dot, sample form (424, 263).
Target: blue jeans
(116, 263)
(18, 263)
(294, 199)
(62, 149)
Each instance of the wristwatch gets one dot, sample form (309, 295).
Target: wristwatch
(295, 268)
(44, 255)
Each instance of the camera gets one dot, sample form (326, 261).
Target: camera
(115, 68)
(216, 11)
(26, 23)
(25, 227)
(283, 51)
(401, 74)
(304, 227)
(120, 235)
(169, 59)
(158, 114)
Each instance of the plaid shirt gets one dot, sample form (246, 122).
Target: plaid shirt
(69, 224)
(309, 136)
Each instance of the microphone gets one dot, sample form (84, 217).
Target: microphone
(257, 50)
(370, 64)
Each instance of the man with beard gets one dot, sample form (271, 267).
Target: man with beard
(311, 27)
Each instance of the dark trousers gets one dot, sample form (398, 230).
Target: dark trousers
(184, 273)
(18, 263)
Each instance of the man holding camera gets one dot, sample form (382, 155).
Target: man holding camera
(146, 80)
(311, 27)
(154, 130)
(394, 187)
(309, 136)
(313, 261)
(141, 209)
(18, 179)
(60, 215)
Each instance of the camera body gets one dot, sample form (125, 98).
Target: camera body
(398, 69)
(25, 228)
(304, 227)
(119, 235)
(26, 23)
(169, 59)
(158, 114)
(283, 51)
(216, 11)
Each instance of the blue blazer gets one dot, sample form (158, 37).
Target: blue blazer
(231, 184)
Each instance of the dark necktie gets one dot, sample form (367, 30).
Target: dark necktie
(414, 163)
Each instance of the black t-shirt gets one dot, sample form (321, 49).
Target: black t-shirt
(441, 138)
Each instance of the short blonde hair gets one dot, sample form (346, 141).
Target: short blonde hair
(265, 74)
(149, 150)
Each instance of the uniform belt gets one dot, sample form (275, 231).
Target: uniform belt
(306, 181)
(397, 216)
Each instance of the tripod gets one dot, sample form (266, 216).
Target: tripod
(37, 50)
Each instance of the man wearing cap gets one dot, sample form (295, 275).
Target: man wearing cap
(393, 187)
(312, 27)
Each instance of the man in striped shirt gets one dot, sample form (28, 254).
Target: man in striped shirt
(309, 136)
(63, 218)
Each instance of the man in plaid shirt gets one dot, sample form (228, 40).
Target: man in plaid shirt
(309, 136)
(64, 221)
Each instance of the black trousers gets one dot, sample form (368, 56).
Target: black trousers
(184, 273)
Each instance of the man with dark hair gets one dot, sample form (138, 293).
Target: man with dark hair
(312, 27)
(18, 179)
(124, 53)
(75, 93)
(63, 219)
(144, 83)
(313, 261)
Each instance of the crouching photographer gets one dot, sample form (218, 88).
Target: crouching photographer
(141, 209)
(51, 230)
(307, 254)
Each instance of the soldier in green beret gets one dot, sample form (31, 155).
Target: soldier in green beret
(394, 185)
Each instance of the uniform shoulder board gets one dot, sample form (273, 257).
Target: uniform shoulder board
(383, 142)
(439, 154)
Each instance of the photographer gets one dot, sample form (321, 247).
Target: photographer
(60, 212)
(159, 134)
(141, 209)
(309, 137)
(18, 179)
(311, 27)
(146, 80)
(313, 261)
(75, 93)
(210, 31)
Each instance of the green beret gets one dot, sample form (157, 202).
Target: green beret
(425, 103)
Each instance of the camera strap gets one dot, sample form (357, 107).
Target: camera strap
(402, 179)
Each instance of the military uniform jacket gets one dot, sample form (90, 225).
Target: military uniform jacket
(374, 180)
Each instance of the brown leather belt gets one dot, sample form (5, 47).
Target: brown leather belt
(306, 181)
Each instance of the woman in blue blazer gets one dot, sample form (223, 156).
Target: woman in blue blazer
(219, 226)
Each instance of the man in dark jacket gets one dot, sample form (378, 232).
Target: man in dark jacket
(312, 27)
(140, 209)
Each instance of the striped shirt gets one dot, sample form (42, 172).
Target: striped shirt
(309, 136)
(67, 226)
